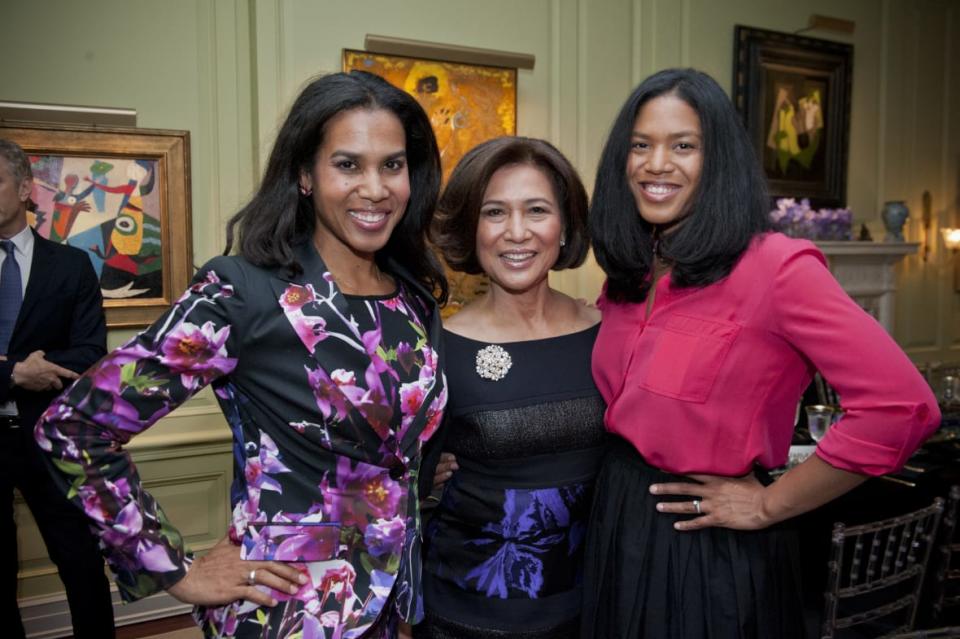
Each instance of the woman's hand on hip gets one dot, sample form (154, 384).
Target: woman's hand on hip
(221, 576)
(721, 502)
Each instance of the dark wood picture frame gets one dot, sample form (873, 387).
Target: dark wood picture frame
(169, 152)
(793, 93)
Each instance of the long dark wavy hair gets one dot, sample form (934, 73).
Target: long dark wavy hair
(729, 206)
(278, 217)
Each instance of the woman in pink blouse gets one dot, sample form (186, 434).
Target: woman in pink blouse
(712, 327)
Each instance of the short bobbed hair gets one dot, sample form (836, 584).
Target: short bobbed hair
(279, 216)
(728, 208)
(454, 229)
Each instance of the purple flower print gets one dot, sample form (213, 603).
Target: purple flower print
(93, 504)
(406, 356)
(258, 469)
(435, 414)
(385, 536)
(296, 296)
(360, 494)
(428, 372)
(197, 287)
(411, 399)
(312, 629)
(371, 343)
(311, 329)
(124, 536)
(381, 585)
(374, 405)
(332, 392)
(529, 515)
(303, 541)
(326, 392)
(394, 304)
(198, 353)
(338, 582)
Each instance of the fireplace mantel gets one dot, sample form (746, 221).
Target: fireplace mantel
(865, 271)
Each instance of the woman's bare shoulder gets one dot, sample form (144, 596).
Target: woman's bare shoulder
(467, 322)
(585, 313)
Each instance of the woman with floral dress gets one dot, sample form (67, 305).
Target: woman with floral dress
(318, 339)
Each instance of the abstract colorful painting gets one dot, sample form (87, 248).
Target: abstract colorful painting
(467, 104)
(122, 195)
(110, 208)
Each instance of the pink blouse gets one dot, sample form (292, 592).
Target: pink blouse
(709, 383)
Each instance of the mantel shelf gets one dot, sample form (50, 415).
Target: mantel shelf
(865, 270)
(867, 249)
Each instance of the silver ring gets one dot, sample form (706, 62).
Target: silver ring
(252, 578)
(696, 504)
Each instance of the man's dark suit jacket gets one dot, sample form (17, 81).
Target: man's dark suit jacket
(62, 315)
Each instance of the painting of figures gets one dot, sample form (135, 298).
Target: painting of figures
(467, 104)
(122, 195)
(110, 208)
(793, 148)
(794, 95)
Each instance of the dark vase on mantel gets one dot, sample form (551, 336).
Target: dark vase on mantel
(894, 215)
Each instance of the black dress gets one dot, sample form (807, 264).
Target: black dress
(504, 547)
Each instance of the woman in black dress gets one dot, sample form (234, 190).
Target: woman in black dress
(503, 548)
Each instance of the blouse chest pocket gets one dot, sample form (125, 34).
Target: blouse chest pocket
(687, 356)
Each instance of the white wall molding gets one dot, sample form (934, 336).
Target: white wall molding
(48, 616)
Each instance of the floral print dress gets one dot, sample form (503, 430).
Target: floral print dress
(329, 399)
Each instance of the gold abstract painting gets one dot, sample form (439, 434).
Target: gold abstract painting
(467, 104)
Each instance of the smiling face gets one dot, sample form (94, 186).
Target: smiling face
(360, 183)
(665, 160)
(519, 228)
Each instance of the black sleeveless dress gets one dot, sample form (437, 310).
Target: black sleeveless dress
(504, 547)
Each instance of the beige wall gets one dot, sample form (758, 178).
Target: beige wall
(227, 70)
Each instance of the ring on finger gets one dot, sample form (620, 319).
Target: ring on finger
(696, 505)
(252, 578)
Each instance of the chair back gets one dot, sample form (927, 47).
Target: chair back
(951, 632)
(875, 574)
(946, 560)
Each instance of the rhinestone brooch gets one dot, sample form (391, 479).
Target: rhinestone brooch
(493, 362)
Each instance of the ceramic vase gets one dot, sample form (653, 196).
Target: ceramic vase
(894, 216)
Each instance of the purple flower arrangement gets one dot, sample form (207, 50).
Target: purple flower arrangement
(799, 220)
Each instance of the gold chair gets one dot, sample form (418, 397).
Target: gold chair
(875, 574)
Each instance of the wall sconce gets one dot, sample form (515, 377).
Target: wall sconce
(951, 239)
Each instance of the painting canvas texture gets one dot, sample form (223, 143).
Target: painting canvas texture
(108, 207)
(467, 104)
(794, 109)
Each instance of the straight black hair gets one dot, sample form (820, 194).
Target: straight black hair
(729, 207)
(279, 216)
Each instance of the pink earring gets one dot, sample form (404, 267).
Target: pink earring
(304, 191)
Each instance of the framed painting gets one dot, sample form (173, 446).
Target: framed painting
(123, 196)
(467, 104)
(793, 93)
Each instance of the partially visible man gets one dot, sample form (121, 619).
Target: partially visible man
(51, 329)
